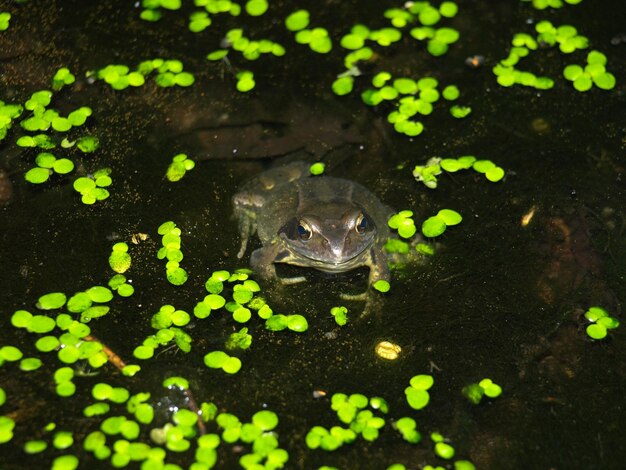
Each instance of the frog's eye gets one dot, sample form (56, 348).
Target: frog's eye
(361, 224)
(304, 231)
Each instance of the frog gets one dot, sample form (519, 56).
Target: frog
(323, 222)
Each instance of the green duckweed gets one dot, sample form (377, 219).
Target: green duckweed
(245, 81)
(403, 223)
(297, 20)
(417, 395)
(119, 259)
(170, 250)
(407, 427)
(475, 392)
(601, 323)
(221, 360)
(180, 165)
(47, 164)
(239, 340)
(340, 314)
(92, 187)
(5, 17)
(543, 4)
(593, 73)
(169, 73)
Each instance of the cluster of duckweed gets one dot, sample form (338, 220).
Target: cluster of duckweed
(47, 163)
(437, 224)
(410, 98)
(180, 165)
(61, 78)
(354, 414)
(5, 17)
(8, 112)
(428, 173)
(152, 9)
(244, 301)
(424, 13)
(360, 416)
(316, 38)
(249, 49)
(50, 131)
(170, 239)
(126, 417)
(239, 340)
(442, 448)
(200, 20)
(593, 73)
(402, 91)
(221, 360)
(43, 118)
(407, 427)
(120, 259)
(245, 81)
(120, 284)
(417, 395)
(403, 222)
(92, 188)
(600, 321)
(543, 4)
(70, 339)
(340, 314)
(475, 392)
(168, 74)
(123, 417)
(568, 41)
(169, 322)
(428, 16)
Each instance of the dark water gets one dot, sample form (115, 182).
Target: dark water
(498, 300)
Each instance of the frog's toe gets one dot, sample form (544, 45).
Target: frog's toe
(373, 301)
(287, 281)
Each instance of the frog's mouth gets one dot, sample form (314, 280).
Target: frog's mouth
(341, 263)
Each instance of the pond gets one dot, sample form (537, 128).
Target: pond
(505, 294)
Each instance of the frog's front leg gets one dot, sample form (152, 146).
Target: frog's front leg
(379, 267)
(379, 270)
(262, 261)
(245, 211)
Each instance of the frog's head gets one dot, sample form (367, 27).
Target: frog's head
(330, 235)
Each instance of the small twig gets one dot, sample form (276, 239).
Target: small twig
(193, 406)
(114, 359)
